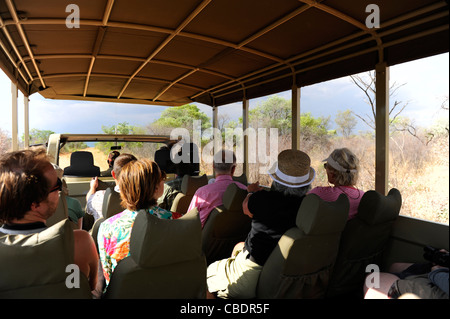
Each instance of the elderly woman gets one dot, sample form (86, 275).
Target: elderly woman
(342, 168)
(141, 183)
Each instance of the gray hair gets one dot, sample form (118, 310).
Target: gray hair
(224, 161)
(348, 161)
(290, 191)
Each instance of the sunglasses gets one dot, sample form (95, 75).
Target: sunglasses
(57, 187)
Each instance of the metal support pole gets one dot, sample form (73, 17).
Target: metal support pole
(245, 109)
(15, 131)
(26, 114)
(295, 117)
(382, 128)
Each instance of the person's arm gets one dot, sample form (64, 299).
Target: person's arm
(93, 185)
(439, 277)
(85, 256)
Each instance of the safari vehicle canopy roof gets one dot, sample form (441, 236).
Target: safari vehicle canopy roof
(211, 51)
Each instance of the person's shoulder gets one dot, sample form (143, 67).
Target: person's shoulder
(82, 237)
(75, 203)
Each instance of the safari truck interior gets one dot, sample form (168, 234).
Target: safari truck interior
(218, 52)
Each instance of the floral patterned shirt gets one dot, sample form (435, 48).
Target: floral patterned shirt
(114, 236)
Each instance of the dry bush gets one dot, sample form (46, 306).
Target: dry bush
(419, 171)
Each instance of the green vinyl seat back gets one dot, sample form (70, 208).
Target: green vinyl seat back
(111, 203)
(35, 265)
(189, 186)
(61, 213)
(300, 265)
(241, 179)
(363, 241)
(226, 225)
(165, 261)
(94, 230)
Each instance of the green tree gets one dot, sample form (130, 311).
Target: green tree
(120, 128)
(275, 112)
(314, 126)
(179, 117)
(346, 122)
(38, 136)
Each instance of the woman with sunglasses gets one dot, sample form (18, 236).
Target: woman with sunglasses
(342, 167)
(141, 183)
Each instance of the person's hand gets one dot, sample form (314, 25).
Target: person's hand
(94, 184)
(254, 187)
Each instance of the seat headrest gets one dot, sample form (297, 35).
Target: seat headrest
(157, 242)
(81, 158)
(316, 216)
(376, 208)
(82, 164)
(162, 158)
(241, 179)
(190, 184)
(233, 197)
(36, 259)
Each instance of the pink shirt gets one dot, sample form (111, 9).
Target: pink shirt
(331, 194)
(207, 197)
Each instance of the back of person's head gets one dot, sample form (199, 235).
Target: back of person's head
(345, 166)
(112, 157)
(138, 181)
(121, 161)
(290, 191)
(292, 173)
(22, 182)
(224, 161)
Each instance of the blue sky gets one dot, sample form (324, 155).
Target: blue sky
(425, 89)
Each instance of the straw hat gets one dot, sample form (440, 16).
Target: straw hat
(293, 169)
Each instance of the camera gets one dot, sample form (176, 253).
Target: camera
(436, 256)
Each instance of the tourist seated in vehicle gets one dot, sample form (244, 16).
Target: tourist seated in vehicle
(74, 209)
(94, 197)
(273, 213)
(29, 196)
(427, 280)
(141, 183)
(110, 160)
(342, 167)
(207, 197)
(173, 188)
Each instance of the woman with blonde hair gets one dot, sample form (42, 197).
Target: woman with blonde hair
(342, 168)
(141, 183)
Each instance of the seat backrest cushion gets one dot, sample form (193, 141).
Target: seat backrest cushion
(82, 164)
(241, 179)
(34, 266)
(301, 263)
(157, 242)
(61, 213)
(376, 208)
(165, 260)
(111, 203)
(226, 225)
(364, 240)
(190, 184)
